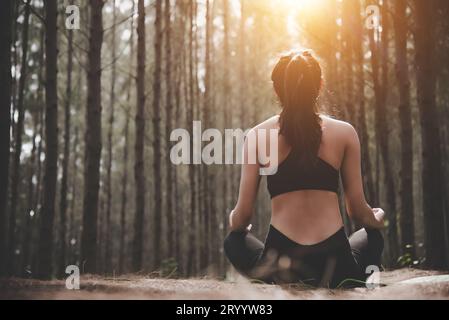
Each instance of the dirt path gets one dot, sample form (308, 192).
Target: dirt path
(147, 288)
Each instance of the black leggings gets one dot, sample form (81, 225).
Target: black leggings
(334, 262)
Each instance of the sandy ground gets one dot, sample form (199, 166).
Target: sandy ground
(139, 287)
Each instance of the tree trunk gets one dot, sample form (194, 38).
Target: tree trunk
(108, 244)
(432, 173)
(192, 170)
(38, 188)
(179, 76)
(178, 217)
(40, 148)
(6, 20)
(29, 213)
(347, 57)
(16, 13)
(168, 126)
(73, 223)
(226, 118)
(380, 82)
(66, 159)
(139, 168)
(51, 141)
(124, 198)
(93, 140)
(126, 157)
(208, 175)
(405, 114)
(360, 101)
(392, 230)
(157, 192)
(15, 174)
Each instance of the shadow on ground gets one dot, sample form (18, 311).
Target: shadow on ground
(134, 287)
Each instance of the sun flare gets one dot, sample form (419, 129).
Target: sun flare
(302, 4)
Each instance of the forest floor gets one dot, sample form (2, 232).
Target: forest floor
(139, 287)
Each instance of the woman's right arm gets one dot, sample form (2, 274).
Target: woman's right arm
(358, 208)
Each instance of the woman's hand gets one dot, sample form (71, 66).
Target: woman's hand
(380, 216)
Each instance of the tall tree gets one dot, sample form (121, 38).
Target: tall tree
(190, 118)
(380, 69)
(405, 114)
(179, 88)
(15, 174)
(93, 141)
(34, 173)
(360, 99)
(226, 114)
(139, 172)
(66, 157)
(157, 192)
(51, 140)
(124, 201)
(6, 20)
(168, 124)
(347, 59)
(432, 173)
(208, 180)
(108, 244)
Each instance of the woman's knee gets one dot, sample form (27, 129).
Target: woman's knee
(227, 243)
(376, 240)
(232, 241)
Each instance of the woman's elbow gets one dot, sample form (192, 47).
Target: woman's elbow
(240, 219)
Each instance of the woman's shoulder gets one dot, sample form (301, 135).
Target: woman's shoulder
(271, 123)
(337, 126)
(333, 125)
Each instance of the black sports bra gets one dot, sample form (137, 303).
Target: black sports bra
(291, 177)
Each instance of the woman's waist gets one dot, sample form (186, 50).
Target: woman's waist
(307, 226)
(306, 202)
(283, 243)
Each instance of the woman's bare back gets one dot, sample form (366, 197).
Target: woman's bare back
(310, 216)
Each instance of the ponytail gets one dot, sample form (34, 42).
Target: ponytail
(297, 82)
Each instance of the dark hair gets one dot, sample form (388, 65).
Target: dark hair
(297, 82)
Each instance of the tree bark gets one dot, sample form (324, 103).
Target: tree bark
(168, 126)
(124, 202)
(360, 101)
(51, 141)
(139, 168)
(347, 57)
(432, 173)
(157, 192)
(406, 217)
(93, 140)
(226, 118)
(66, 159)
(15, 174)
(108, 244)
(208, 174)
(379, 62)
(192, 170)
(6, 21)
(31, 194)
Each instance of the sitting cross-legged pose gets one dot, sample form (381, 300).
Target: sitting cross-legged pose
(306, 242)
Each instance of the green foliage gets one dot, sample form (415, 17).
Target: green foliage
(169, 268)
(405, 260)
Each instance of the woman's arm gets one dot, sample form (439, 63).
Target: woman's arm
(240, 217)
(358, 208)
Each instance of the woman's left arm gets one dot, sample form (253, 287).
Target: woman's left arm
(240, 217)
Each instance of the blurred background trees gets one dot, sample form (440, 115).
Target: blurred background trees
(86, 117)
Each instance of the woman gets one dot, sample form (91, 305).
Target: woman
(306, 241)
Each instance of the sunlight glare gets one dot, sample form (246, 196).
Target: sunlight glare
(301, 4)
